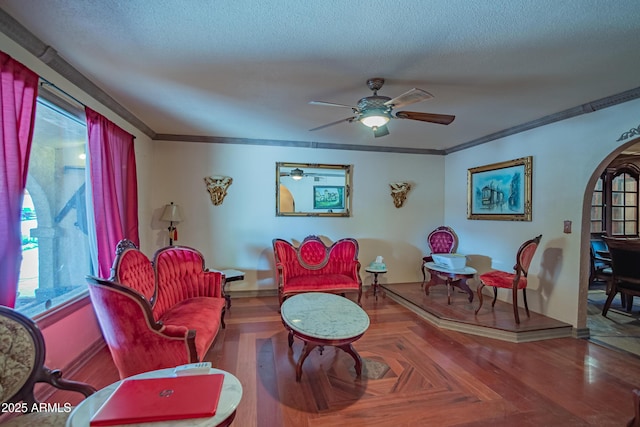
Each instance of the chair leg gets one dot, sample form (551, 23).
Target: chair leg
(424, 275)
(515, 306)
(524, 296)
(495, 296)
(607, 304)
(479, 297)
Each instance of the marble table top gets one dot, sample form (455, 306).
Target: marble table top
(229, 400)
(324, 316)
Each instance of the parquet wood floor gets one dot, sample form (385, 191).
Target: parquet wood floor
(435, 378)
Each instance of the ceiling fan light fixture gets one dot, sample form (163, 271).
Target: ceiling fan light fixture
(297, 174)
(375, 118)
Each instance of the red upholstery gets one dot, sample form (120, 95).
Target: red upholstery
(315, 267)
(173, 322)
(514, 281)
(442, 240)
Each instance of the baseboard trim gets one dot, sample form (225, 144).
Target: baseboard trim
(253, 293)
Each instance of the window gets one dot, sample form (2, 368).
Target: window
(597, 208)
(614, 202)
(55, 244)
(624, 205)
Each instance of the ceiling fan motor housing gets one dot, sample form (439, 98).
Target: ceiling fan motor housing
(374, 102)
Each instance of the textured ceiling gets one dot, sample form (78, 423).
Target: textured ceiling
(248, 68)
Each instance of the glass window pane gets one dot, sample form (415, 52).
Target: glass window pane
(630, 184)
(596, 213)
(596, 227)
(616, 228)
(630, 213)
(55, 242)
(630, 228)
(617, 199)
(596, 199)
(617, 213)
(631, 199)
(617, 184)
(598, 186)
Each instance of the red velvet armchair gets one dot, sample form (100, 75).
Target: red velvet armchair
(314, 267)
(158, 314)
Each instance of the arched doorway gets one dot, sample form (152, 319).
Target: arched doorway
(624, 159)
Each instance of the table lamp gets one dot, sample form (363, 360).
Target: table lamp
(172, 215)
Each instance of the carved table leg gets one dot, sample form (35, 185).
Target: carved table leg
(462, 284)
(348, 348)
(290, 339)
(305, 352)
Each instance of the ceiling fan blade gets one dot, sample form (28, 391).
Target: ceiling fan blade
(348, 119)
(410, 97)
(380, 131)
(331, 104)
(441, 119)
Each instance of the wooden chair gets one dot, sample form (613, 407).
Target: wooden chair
(626, 271)
(22, 356)
(513, 281)
(442, 240)
(600, 265)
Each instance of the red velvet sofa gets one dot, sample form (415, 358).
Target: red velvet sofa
(315, 267)
(158, 314)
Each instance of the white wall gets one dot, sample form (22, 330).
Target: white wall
(565, 157)
(238, 233)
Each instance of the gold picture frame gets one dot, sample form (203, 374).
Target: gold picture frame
(500, 191)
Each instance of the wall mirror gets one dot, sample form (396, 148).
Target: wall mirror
(308, 189)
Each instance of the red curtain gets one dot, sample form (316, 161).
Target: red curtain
(19, 90)
(114, 187)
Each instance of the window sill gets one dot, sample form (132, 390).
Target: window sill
(59, 312)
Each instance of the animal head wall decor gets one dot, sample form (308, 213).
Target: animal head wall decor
(399, 192)
(217, 187)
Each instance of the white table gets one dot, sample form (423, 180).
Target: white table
(320, 319)
(225, 413)
(451, 277)
(375, 285)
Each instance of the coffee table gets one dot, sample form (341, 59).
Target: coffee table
(320, 319)
(452, 277)
(229, 399)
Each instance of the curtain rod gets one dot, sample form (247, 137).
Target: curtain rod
(48, 85)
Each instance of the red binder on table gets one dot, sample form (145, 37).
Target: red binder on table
(161, 399)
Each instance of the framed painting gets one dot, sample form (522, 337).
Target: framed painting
(500, 191)
(328, 197)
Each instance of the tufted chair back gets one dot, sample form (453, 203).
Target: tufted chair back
(132, 268)
(181, 274)
(442, 240)
(22, 355)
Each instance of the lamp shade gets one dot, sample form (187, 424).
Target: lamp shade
(375, 118)
(171, 213)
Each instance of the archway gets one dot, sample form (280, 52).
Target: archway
(585, 262)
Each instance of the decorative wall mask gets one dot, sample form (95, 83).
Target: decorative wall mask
(399, 192)
(217, 187)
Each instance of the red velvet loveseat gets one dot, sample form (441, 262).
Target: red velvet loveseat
(314, 267)
(158, 314)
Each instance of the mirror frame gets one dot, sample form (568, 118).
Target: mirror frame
(347, 183)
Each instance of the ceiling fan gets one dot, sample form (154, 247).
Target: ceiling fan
(375, 111)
